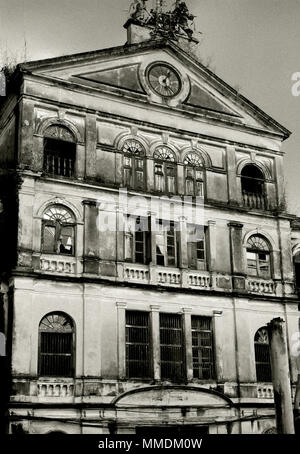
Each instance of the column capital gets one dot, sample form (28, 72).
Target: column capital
(155, 308)
(187, 310)
(212, 223)
(121, 305)
(236, 225)
(217, 313)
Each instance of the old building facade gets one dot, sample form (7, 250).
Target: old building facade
(124, 313)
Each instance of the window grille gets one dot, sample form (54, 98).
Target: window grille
(253, 187)
(202, 348)
(56, 342)
(59, 152)
(137, 344)
(262, 356)
(171, 347)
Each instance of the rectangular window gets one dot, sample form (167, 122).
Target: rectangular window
(49, 239)
(59, 157)
(167, 243)
(139, 173)
(56, 354)
(171, 179)
(128, 180)
(137, 239)
(159, 178)
(196, 247)
(138, 356)
(171, 347)
(202, 346)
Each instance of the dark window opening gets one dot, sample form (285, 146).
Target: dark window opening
(167, 244)
(138, 363)
(297, 269)
(56, 343)
(253, 187)
(202, 347)
(171, 347)
(59, 157)
(262, 356)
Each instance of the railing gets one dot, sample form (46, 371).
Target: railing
(58, 264)
(168, 276)
(59, 165)
(261, 286)
(254, 200)
(48, 389)
(199, 280)
(265, 391)
(139, 273)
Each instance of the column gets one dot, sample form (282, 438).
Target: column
(121, 314)
(233, 195)
(281, 376)
(183, 253)
(155, 338)
(237, 256)
(187, 320)
(218, 329)
(91, 146)
(91, 237)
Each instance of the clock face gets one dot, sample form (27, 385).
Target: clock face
(164, 80)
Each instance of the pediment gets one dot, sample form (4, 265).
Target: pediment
(124, 77)
(122, 71)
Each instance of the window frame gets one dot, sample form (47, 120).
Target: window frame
(199, 347)
(259, 263)
(60, 134)
(137, 155)
(194, 163)
(133, 240)
(149, 344)
(260, 363)
(201, 264)
(167, 162)
(58, 228)
(182, 377)
(166, 236)
(73, 346)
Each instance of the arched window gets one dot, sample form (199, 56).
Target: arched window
(258, 257)
(58, 231)
(253, 187)
(134, 164)
(194, 175)
(59, 151)
(165, 170)
(262, 355)
(56, 345)
(297, 269)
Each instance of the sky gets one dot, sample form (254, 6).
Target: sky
(254, 45)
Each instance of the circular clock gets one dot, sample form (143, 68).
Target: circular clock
(164, 80)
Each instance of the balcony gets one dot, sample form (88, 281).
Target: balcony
(164, 276)
(260, 286)
(55, 389)
(56, 264)
(254, 200)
